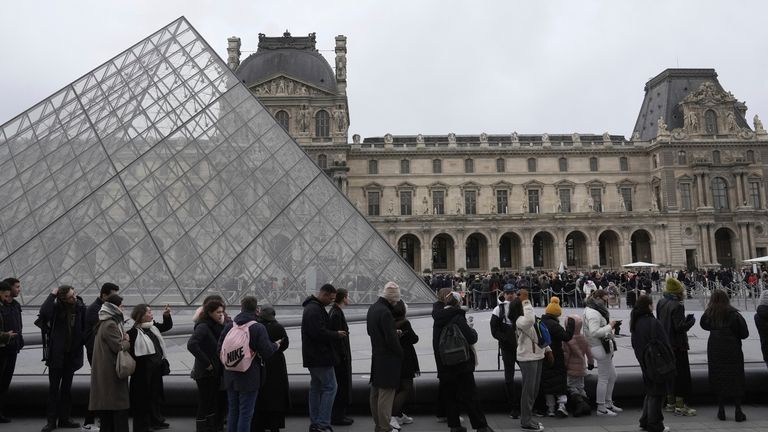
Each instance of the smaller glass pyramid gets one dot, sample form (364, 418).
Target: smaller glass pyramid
(161, 172)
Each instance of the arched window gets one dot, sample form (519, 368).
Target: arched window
(623, 164)
(681, 158)
(469, 166)
(322, 161)
(437, 166)
(563, 164)
(750, 156)
(373, 166)
(710, 122)
(720, 193)
(593, 164)
(531, 164)
(322, 124)
(501, 165)
(282, 119)
(716, 157)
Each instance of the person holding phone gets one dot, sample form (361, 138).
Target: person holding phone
(671, 312)
(598, 329)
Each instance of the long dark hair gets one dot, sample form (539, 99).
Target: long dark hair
(642, 307)
(719, 307)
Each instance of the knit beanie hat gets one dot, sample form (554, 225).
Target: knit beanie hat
(391, 292)
(553, 308)
(674, 287)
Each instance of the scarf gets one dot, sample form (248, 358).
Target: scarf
(144, 346)
(591, 303)
(764, 298)
(110, 311)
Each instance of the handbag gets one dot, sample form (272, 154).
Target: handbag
(125, 365)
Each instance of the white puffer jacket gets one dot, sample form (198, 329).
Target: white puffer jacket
(596, 327)
(527, 349)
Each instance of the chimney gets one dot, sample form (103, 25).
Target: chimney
(233, 52)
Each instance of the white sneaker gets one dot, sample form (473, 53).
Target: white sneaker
(614, 408)
(393, 422)
(89, 428)
(404, 419)
(606, 413)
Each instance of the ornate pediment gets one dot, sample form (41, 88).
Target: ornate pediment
(533, 184)
(709, 94)
(405, 186)
(565, 184)
(502, 185)
(685, 178)
(438, 186)
(470, 185)
(285, 86)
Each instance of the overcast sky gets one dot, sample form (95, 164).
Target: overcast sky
(430, 67)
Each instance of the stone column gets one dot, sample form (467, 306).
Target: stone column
(626, 253)
(700, 190)
(460, 252)
(593, 252)
(712, 244)
(743, 241)
(526, 255)
(426, 251)
(704, 245)
(708, 191)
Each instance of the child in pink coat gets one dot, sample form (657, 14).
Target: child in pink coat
(577, 356)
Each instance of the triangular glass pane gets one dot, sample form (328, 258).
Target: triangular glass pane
(227, 202)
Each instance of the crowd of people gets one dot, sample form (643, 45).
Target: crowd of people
(241, 374)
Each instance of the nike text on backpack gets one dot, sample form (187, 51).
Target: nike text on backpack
(452, 346)
(658, 358)
(236, 354)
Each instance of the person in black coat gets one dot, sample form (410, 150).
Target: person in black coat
(11, 322)
(640, 325)
(459, 379)
(761, 322)
(504, 330)
(343, 368)
(727, 328)
(64, 312)
(386, 356)
(274, 396)
(438, 310)
(410, 367)
(671, 313)
(148, 348)
(554, 376)
(207, 370)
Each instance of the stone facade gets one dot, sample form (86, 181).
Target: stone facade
(687, 189)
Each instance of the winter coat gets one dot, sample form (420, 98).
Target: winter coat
(203, 344)
(503, 329)
(442, 319)
(575, 350)
(11, 320)
(387, 354)
(671, 314)
(91, 319)
(761, 322)
(596, 328)
(724, 356)
(527, 347)
(54, 312)
(251, 379)
(108, 392)
(153, 362)
(439, 314)
(554, 377)
(316, 336)
(341, 348)
(274, 394)
(641, 336)
(410, 368)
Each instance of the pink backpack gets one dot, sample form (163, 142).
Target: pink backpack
(236, 354)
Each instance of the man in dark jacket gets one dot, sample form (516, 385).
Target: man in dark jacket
(761, 322)
(343, 369)
(243, 387)
(64, 312)
(671, 313)
(438, 311)
(11, 314)
(318, 356)
(387, 356)
(91, 319)
(503, 330)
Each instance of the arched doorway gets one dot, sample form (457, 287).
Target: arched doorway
(509, 252)
(576, 250)
(409, 247)
(544, 250)
(608, 245)
(724, 247)
(641, 246)
(477, 252)
(442, 252)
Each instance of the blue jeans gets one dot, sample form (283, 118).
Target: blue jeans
(322, 391)
(241, 406)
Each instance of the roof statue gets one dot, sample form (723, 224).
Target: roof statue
(161, 172)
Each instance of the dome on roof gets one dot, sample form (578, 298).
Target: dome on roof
(304, 65)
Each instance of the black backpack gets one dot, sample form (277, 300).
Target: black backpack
(452, 345)
(658, 359)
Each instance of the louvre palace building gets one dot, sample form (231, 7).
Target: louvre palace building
(687, 189)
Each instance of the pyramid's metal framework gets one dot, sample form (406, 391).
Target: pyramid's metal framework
(161, 172)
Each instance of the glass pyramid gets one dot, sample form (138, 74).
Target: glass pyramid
(161, 172)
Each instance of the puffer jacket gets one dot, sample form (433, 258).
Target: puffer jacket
(577, 350)
(596, 328)
(527, 349)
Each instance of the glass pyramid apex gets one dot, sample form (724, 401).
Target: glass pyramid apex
(159, 171)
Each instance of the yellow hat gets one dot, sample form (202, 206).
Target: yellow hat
(553, 308)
